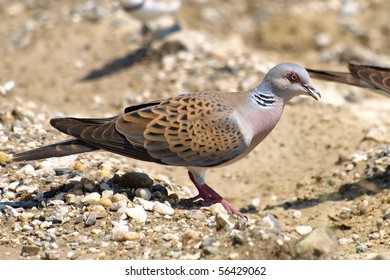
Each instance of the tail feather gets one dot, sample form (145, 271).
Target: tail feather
(69, 147)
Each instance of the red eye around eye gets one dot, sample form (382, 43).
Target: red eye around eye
(293, 77)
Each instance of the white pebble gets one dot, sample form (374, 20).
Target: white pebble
(27, 169)
(91, 198)
(303, 230)
(137, 213)
(148, 205)
(163, 209)
(345, 241)
(143, 193)
(217, 208)
(297, 214)
(170, 236)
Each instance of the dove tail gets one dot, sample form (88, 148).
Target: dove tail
(69, 147)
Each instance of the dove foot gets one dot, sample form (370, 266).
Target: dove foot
(209, 196)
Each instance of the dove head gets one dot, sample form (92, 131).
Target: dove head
(287, 80)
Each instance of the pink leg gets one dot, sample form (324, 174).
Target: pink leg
(210, 196)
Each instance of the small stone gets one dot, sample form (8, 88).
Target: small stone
(321, 244)
(386, 216)
(143, 193)
(71, 255)
(91, 198)
(108, 193)
(137, 213)
(162, 208)
(361, 248)
(28, 169)
(160, 188)
(223, 222)
(217, 208)
(170, 236)
(51, 255)
(119, 197)
(190, 234)
(30, 250)
(4, 158)
(79, 166)
(303, 230)
(148, 205)
(105, 202)
(98, 211)
(135, 180)
(210, 250)
(121, 233)
(233, 256)
(345, 241)
(26, 216)
(237, 237)
(105, 187)
(195, 214)
(270, 224)
(297, 214)
(90, 221)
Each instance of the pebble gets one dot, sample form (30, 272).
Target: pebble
(143, 193)
(119, 197)
(25, 216)
(90, 221)
(361, 248)
(321, 243)
(195, 214)
(122, 233)
(222, 222)
(4, 158)
(237, 237)
(29, 250)
(135, 180)
(105, 202)
(297, 214)
(51, 255)
(28, 169)
(170, 236)
(137, 213)
(271, 224)
(162, 208)
(146, 204)
(71, 255)
(303, 230)
(217, 208)
(92, 198)
(346, 241)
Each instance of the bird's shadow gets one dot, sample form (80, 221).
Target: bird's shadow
(132, 58)
(350, 191)
(118, 64)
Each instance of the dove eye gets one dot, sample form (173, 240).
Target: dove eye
(293, 77)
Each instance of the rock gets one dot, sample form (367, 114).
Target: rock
(361, 248)
(303, 230)
(162, 208)
(217, 208)
(4, 158)
(210, 250)
(105, 202)
(160, 188)
(135, 180)
(237, 237)
(121, 233)
(30, 250)
(346, 241)
(137, 213)
(223, 222)
(92, 198)
(270, 224)
(143, 193)
(28, 169)
(119, 197)
(170, 236)
(321, 243)
(25, 216)
(90, 221)
(71, 255)
(195, 214)
(189, 235)
(51, 255)
(146, 204)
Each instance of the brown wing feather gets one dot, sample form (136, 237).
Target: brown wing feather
(378, 77)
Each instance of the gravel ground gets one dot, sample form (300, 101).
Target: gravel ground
(317, 188)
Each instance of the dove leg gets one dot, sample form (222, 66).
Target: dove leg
(210, 196)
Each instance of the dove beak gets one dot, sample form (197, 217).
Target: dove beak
(310, 90)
